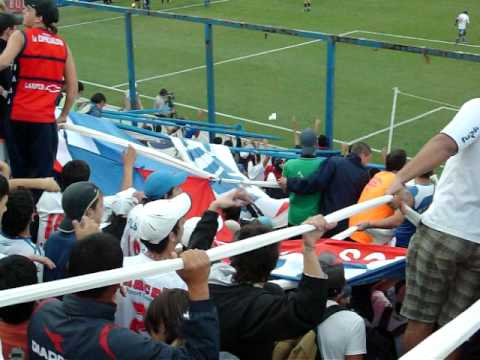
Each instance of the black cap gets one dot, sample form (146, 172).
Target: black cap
(334, 270)
(8, 21)
(76, 200)
(308, 141)
(46, 9)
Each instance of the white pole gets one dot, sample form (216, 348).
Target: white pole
(412, 216)
(392, 118)
(117, 276)
(263, 184)
(449, 337)
(345, 233)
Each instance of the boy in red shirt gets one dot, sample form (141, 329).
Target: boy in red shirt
(15, 271)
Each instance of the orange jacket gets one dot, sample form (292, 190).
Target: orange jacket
(377, 186)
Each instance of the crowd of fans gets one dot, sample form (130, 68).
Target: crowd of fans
(60, 228)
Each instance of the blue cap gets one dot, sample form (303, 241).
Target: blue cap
(190, 132)
(265, 220)
(160, 183)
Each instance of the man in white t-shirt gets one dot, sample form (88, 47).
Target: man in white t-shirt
(343, 334)
(443, 264)
(461, 22)
(160, 228)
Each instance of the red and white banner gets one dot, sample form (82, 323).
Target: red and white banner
(347, 251)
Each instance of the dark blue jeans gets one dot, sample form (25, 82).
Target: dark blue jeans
(32, 148)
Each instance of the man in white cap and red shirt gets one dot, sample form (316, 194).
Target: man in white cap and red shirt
(160, 228)
(159, 185)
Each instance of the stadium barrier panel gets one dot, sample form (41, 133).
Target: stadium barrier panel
(209, 24)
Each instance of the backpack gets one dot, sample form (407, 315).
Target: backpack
(380, 342)
(305, 347)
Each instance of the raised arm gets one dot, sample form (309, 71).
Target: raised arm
(206, 229)
(71, 86)
(14, 47)
(129, 157)
(316, 126)
(296, 137)
(311, 265)
(47, 184)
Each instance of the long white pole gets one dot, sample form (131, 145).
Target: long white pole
(449, 337)
(263, 184)
(161, 157)
(116, 276)
(392, 119)
(345, 233)
(413, 216)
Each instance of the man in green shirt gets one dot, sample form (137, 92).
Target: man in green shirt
(303, 206)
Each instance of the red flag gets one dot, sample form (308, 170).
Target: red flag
(202, 195)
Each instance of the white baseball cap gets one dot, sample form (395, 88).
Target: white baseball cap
(158, 218)
(190, 226)
(123, 202)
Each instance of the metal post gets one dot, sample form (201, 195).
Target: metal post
(130, 61)
(210, 76)
(392, 119)
(330, 90)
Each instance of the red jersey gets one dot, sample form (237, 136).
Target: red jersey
(38, 77)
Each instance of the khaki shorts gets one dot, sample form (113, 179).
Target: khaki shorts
(443, 276)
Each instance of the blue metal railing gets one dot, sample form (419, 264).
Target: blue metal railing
(210, 23)
(283, 153)
(170, 122)
(139, 115)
